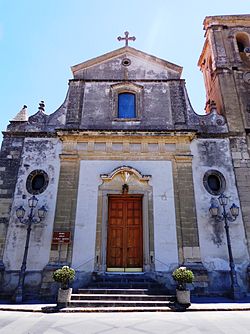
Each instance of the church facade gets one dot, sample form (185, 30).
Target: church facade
(127, 171)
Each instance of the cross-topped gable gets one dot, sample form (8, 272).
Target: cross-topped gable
(126, 63)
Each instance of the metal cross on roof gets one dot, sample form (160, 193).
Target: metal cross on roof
(126, 38)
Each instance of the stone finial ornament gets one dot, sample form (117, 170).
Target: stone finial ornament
(212, 106)
(22, 116)
(41, 106)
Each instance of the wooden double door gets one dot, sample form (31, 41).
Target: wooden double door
(124, 245)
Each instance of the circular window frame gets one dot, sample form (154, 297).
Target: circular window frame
(126, 62)
(221, 179)
(30, 179)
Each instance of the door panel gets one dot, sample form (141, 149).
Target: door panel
(133, 251)
(116, 240)
(124, 232)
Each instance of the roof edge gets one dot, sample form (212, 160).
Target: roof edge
(118, 52)
(239, 19)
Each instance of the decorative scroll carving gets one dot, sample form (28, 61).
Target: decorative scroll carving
(125, 172)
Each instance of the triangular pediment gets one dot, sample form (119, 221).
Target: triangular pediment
(141, 66)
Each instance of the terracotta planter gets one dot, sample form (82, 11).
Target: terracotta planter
(63, 297)
(183, 296)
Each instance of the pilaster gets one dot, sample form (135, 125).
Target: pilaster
(61, 254)
(187, 228)
(241, 162)
(186, 221)
(74, 110)
(66, 204)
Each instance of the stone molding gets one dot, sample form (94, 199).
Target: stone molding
(125, 171)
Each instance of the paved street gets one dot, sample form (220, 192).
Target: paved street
(126, 323)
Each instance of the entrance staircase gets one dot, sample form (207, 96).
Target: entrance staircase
(122, 292)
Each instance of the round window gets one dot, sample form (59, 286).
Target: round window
(214, 182)
(37, 182)
(126, 62)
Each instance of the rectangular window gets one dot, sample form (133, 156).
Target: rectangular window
(126, 105)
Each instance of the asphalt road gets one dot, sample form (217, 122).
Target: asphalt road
(126, 323)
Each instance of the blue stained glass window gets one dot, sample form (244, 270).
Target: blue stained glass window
(126, 105)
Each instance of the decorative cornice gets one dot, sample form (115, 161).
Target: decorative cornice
(125, 80)
(81, 135)
(226, 20)
(128, 84)
(26, 134)
(68, 156)
(183, 158)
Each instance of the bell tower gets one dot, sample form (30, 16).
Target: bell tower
(225, 64)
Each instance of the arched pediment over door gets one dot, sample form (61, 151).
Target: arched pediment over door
(128, 175)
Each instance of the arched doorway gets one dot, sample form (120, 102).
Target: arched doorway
(124, 240)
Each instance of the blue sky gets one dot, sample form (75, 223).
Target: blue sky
(40, 40)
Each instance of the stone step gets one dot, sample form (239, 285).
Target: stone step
(122, 292)
(122, 278)
(113, 291)
(117, 309)
(124, 285)
(121, 297)
(118, 303)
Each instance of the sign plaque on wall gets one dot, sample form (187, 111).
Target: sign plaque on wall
(61, 237)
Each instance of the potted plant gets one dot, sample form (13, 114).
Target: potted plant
(64, 276)
(182, 276)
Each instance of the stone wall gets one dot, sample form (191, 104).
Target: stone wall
(10, 157)
(214, 155)
(37, 154)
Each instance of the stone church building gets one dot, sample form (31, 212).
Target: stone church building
(127, 171)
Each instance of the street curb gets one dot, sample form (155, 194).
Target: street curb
(18, 310)
(219, 309)
(113, 310)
